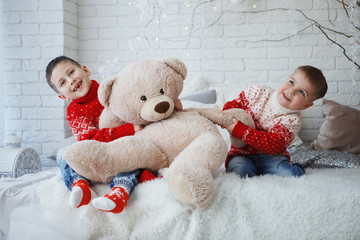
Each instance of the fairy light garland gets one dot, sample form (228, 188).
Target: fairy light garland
(152, 13)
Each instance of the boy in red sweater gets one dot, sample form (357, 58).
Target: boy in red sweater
(71, 81)
(277, 118)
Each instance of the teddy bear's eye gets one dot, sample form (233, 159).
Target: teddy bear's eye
(162, 91)
(143, 98)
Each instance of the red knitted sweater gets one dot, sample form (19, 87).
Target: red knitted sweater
(83, 116)
(275, 126)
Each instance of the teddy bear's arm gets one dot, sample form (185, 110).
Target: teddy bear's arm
(100, 162)
(220, 117)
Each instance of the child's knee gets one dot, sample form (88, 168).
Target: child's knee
(59, 157)
(242, 168)
(287, 169)
(298, 170)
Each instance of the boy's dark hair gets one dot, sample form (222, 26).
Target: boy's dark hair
(52, 64)
(316, 78)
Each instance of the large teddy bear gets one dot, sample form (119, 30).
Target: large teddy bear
(186, 143)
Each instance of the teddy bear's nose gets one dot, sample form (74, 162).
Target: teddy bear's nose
(162, 107)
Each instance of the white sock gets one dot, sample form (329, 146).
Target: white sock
(76, 196)
(103, 203)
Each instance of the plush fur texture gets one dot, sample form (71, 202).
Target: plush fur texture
(185, 142)
(323, 204)
(225, 117)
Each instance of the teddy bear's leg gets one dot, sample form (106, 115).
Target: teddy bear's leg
(190, 176)
(100, 162)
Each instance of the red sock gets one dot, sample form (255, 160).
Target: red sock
(120, 197)
(86, 192)
(146, 176)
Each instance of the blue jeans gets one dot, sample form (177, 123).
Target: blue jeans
(260, 164)
(126, 180)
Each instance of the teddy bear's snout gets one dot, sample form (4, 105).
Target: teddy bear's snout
(162, 107)
(157, 108)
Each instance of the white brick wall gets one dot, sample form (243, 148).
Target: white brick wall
(240, 49)
(33, 34)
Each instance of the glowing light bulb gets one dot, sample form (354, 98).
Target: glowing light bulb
(164, 15)
(254, 6)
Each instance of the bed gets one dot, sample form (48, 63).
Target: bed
(323, 204)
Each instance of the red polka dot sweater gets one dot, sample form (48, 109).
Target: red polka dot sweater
(275, 126)
(83, 117)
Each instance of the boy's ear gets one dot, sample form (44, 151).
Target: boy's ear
(88, 73)
(307, 106)
(63, 97)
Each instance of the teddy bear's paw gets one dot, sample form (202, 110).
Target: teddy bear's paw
(82, 160)
(194, 188)
(202, 189)
(180, 189)
(241, 115)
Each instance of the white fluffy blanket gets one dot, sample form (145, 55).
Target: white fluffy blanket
(324, 204)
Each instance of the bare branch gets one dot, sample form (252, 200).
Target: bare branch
(334, 42)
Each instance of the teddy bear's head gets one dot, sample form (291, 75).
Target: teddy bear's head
(144, 91)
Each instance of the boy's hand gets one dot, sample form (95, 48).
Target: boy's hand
(230, 127)
(178, 104)
(138, 127)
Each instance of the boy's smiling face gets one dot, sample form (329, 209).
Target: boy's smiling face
(296, 93)
(71, 81)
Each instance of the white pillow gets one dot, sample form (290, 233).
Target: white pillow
(203, 97)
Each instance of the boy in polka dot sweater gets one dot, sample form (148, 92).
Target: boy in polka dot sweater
(71, 81)
(277, 119)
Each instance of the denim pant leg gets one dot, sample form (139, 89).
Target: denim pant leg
(242, 166)
(277, 165)
(126, 180)
(68, 174)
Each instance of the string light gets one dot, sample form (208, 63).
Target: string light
(152, 14)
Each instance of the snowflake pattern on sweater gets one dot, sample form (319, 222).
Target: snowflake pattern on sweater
(83, 116)
(275, 126)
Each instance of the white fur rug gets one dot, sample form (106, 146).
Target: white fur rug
(324, 204)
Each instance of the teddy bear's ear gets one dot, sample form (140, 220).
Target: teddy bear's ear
(177, 65)
(105, 89)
